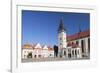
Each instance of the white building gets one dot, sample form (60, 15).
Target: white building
(27, 51)
(51, 51)
(79, 43)
(45, 51)
(82, 39)
(36, 51)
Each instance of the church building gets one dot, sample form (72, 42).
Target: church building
(73, 46)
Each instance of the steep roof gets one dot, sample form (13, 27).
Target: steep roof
(82, 34)
(45, 47)
(61, 25)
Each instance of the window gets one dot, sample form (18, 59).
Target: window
(39, 56)
(69, 55)
(60, 38)
(72, 52)
(29, 55)
(89, 45)
(77, 42)
(60, 43)
(50, 54)
(34, 56)
(82, 45)
(64, 53)
(75, 52)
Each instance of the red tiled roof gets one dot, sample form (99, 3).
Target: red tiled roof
(27, 46)
(82, 34)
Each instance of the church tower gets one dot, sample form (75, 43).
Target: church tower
(62, 41)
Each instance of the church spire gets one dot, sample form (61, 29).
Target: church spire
(61, 25)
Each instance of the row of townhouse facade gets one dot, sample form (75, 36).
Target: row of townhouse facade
(36, 51)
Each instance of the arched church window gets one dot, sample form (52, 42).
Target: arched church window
(72, 52)
(75, 52)
(60, 43)
(60, 38)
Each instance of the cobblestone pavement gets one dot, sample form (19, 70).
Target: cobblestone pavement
(52, 59)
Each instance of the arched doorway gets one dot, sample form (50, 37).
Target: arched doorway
(75, 53)
(29, 55)
(69, 55)
(34, 56)
(64, 53)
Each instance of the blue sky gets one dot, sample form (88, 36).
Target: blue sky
(41, 26)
